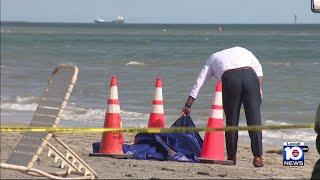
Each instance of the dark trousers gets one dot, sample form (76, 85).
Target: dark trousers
(241, 86)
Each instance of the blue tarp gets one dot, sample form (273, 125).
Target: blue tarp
(184, 147)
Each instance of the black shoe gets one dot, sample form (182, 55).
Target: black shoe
(234, 160)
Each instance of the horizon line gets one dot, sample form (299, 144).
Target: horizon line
(138, 23)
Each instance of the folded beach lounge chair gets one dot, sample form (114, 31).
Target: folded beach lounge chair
(26, 153)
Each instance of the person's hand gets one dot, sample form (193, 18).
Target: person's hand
(186, 110)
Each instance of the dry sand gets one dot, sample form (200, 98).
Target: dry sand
(109, 168)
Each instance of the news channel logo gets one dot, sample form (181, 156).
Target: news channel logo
(293, 153)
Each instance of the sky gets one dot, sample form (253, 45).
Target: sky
(160, 11)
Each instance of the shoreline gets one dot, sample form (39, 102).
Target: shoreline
(242, 138)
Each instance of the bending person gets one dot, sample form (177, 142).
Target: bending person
(241, 75)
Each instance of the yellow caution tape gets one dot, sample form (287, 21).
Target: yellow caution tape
(151, 130)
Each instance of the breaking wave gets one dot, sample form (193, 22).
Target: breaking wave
(134, 63)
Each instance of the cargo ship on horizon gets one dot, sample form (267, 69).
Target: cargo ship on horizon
(118, 20)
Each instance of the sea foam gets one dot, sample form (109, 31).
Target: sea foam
(19, 107)
(134, 63)
(303, 135)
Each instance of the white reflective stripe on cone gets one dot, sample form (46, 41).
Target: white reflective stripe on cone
(158, 94)
(217, 114)
(218, 99)
(113, 92)
(113, 108)
(157, 109)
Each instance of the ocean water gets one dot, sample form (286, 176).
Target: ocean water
(139, 53)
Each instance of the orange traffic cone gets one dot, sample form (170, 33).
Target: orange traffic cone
(213, 145)
(111, 143)
(156, 119)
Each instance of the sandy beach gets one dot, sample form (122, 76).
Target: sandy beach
(138, 54)
(109, 168)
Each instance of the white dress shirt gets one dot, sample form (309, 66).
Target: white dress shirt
(222, 61)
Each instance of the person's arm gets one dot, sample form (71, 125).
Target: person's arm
(205, 74)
